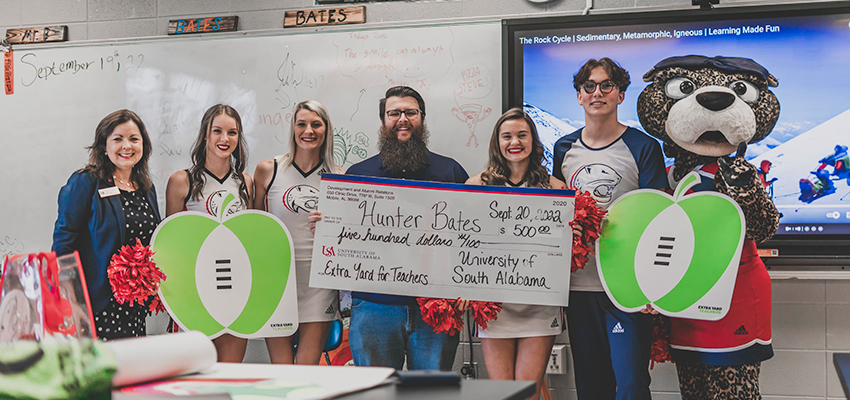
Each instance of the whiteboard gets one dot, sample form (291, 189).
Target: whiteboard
(62, 93)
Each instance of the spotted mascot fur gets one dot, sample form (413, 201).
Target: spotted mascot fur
(703, 109)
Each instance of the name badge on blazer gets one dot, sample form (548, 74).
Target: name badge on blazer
(108, 192)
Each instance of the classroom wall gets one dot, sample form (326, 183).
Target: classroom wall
(811, 318)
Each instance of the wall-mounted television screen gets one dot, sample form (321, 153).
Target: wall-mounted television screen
(805, 46)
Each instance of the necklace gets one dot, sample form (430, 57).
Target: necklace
(122, 182)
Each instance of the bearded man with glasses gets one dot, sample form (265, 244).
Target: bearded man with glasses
(385, 328)
(608, 159)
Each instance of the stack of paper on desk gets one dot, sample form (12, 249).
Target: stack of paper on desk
(257, 381)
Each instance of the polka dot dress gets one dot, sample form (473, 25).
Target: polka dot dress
(139, 219)
(120, 320)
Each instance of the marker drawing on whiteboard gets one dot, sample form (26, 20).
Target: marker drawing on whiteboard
(52, 69)
(471, 114)
(251, 116)
(160, 176)
(345, 145)
(168, 151)
(362, 91)
(110, 62)
(10, 245)
(291, 78)
(377, 60)
(166, 143)
(34, 70)
(472, 85)
(417, 83)
(135, 61)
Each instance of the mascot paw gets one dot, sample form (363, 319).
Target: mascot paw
(739, 173)
(738, 180)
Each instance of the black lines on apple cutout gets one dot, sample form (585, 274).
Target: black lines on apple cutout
(223, 275)
(663, 258)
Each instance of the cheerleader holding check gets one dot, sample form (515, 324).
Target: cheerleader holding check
(517, 344)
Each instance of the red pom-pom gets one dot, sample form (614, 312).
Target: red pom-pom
(589, 217)
(483, 311)
(660, 341)
(441, 314)
(134, 277)
(156, 305)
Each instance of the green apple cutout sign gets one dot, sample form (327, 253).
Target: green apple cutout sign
(233, 275)
(679, 253)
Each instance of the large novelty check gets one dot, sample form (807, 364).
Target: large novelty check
(443, 240)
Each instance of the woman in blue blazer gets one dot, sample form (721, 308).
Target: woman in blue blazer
(107, 204)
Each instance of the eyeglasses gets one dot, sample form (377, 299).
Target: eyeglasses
(606, 87)
(410, 113)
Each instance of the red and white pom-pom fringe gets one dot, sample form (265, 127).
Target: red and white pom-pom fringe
(589, 217)
(134, 276)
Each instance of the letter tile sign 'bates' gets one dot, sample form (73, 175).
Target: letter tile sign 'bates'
(202, 25)
(325, 16)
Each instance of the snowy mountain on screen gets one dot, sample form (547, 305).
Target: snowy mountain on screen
(797, 158)
(550, 128)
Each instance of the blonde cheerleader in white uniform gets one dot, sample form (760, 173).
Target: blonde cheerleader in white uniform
(288, 187)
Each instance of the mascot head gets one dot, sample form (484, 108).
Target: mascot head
(707, 106)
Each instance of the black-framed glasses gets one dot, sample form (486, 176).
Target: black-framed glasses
(410, 113)
(606, 87)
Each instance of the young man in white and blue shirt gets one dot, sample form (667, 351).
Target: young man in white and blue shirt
(610, 347)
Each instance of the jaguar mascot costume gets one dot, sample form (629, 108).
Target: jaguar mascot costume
(704, 109)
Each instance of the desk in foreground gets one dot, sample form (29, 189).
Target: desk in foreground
(224, 381)
(307, 382)
(468, 389)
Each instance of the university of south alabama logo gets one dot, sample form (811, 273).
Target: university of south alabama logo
(215, 200)
(300, 198)
(598, 179)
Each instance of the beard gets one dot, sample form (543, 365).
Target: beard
(403, 157)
